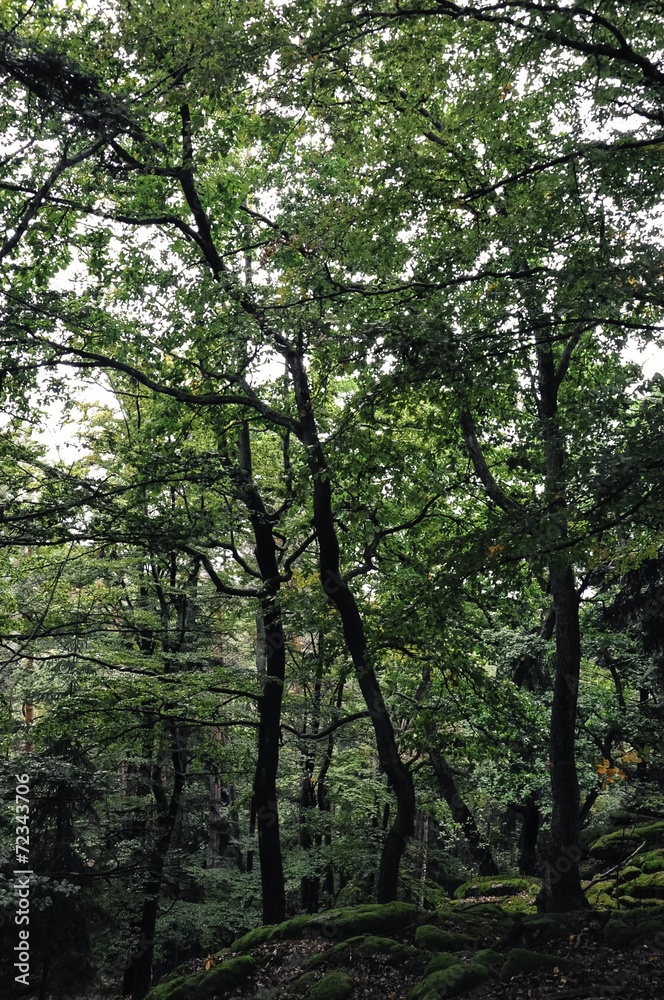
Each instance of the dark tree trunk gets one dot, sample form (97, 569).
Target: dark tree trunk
(310, 884)
(139, 974)
(530, 824)
(562, 886)
(341, 596)
(269, 705)
(461, 814)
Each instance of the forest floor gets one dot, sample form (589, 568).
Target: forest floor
(590, 969)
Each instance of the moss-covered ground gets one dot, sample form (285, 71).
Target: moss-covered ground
(479, 946)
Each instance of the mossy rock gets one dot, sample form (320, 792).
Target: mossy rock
(602, 900)
(487, 911)
(650, 861)
(374, 918)
(537, 930)
(633, 929)
(205, 985)
(488, 957)
(621, 843)
(436, 939)
(517, 905)
(441, 961)
(522, 960)
(627, 874)
(289, 930)
(480, 921)
(306, 980)
(452, 981)
(498, 886)
(336, 986)
(179, 972)
(629, 902)
(365, 945)
(648, 886)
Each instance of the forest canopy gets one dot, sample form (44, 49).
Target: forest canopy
(344, 580)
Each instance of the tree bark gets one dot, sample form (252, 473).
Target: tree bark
(139, 973)
(561, 890)
(462, 815)
(269, 705)
(341, 596)
(530, 824)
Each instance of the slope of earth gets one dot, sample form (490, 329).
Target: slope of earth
(485, 947)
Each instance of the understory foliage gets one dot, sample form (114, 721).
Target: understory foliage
(330, 476)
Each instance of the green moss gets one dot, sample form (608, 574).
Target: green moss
(627, 874)
(650, 861)
(179, 972)
(305, 981)
(287, 931)
(336, 986)
(436, 939)
(521, 960)
(498, 886)
(539, 929)
(632, 929)
(517, 905)
(365, 945)
(452, 981)
(480, 921)
(441, 961)
(488, 957)
(616, 845)
(649, 886)
(377, 918)
(205, 985)
(174, 989)
(252, 939)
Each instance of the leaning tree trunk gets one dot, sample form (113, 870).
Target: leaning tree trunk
(340, 594)
(462, 815)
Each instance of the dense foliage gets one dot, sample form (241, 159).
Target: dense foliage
(343, 563)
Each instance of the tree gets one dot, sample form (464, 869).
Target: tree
(450, 238)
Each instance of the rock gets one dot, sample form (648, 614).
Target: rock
(206, 985)
(650, 886)
(441, 961)
(436, 939)
(451, 982)
(390, 952)
(634, 928)
(650, 861)
(521, 960)
(621, 843)
(336, 986)
(498, 886)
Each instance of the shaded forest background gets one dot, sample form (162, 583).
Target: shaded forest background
(346, 580)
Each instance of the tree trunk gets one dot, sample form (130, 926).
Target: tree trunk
(530, 824)
(269, 705)
(341, 596)
(461, 814)
(139, 973)
(562, 886)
